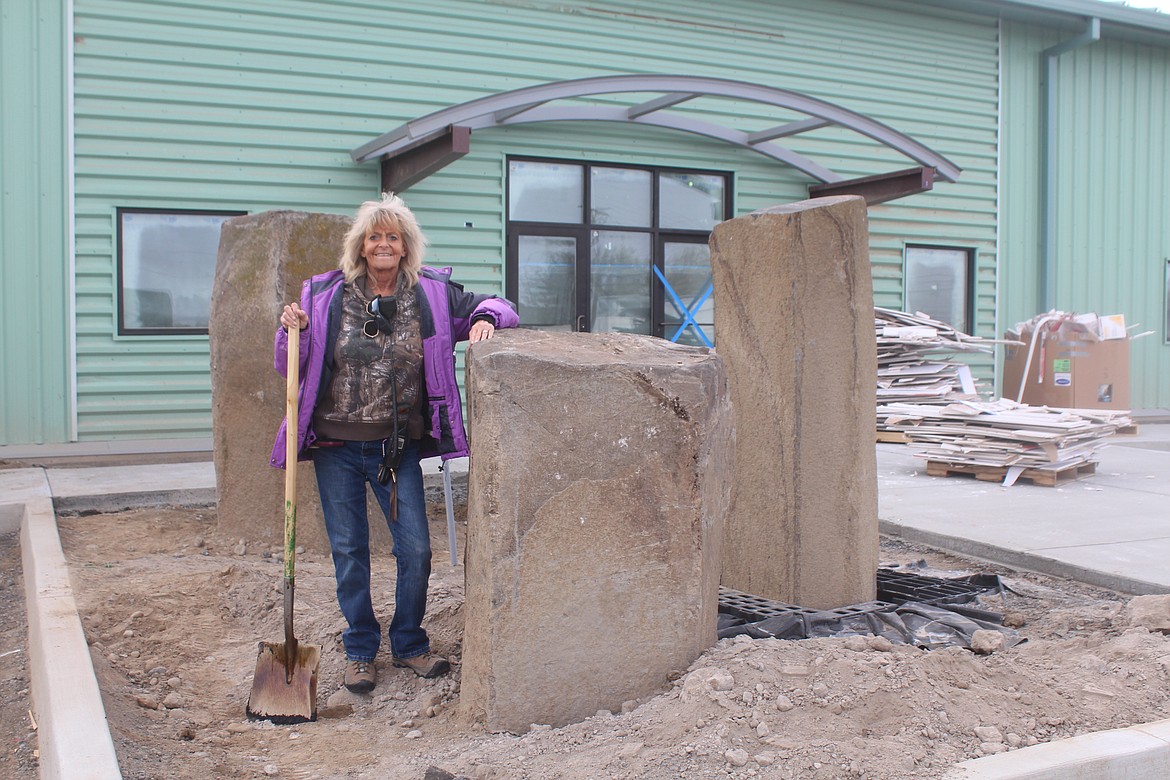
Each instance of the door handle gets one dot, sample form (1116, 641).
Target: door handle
(580, 323)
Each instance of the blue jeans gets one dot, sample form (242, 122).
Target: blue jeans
(342, 475)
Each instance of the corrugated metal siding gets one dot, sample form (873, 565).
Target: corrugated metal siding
(213, 104)
(1113, 190)
(34, 311)
(1019, 241)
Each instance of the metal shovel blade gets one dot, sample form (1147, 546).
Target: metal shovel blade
(284, 688)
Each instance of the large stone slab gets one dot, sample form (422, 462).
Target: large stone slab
(794, 323)
(599, 477)
(263, 258)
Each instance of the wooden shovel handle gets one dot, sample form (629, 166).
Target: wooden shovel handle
(290, 455)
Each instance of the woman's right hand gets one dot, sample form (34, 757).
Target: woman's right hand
(293, 316)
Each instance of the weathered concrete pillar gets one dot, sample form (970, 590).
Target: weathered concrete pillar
(598, 482)
(794, 324)
(263, 258)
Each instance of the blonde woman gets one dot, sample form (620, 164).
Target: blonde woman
(377, 394)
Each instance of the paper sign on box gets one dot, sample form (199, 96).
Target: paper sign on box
(1112, 327)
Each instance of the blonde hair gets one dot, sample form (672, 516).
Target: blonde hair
(390, 213)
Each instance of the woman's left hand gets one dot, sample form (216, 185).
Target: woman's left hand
(480, 330)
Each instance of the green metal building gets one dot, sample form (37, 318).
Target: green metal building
(1014, 154)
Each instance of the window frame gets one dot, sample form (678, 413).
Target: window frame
(584, 230)
(120, 292)
(1166, 302)
(968, 326)
(660, 298)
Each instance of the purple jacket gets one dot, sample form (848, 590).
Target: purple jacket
(445, 312)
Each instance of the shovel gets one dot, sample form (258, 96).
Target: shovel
(284, 688)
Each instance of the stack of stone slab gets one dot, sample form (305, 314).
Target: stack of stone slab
(913, 354)
(1003, 440)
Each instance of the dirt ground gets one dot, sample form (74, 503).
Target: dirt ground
(17, 727)
(173, 613)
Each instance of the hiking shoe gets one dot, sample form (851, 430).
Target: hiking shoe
(361, 676)
(427, 665)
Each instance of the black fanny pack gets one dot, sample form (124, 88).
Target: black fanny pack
(392, 450)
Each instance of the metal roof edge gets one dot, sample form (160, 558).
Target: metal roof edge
(1117, 20)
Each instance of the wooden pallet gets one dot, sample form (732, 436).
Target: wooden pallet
(1043, 477)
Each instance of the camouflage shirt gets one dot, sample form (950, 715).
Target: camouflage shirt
(370, 372)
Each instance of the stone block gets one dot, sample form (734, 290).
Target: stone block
(794, 324)
(598, 481)
(263, 258)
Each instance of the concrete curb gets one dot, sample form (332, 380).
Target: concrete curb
(1134, 753)
(73, 735)
(1016, 559)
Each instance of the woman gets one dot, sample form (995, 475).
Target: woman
(377, 394)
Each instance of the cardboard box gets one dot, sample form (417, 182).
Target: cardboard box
(1071, 369)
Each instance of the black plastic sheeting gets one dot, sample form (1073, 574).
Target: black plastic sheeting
(948, 621)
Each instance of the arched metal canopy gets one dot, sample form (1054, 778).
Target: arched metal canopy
(417, 148)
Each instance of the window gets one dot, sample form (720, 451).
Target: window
(939, 282)
(603, 247)
(166, 266)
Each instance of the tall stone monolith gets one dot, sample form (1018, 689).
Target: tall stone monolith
(262, 261)
(598, 482)
(794, 324)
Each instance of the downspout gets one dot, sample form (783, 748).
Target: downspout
(71, 216)
(1048, 57)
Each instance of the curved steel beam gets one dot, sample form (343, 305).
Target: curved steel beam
(686, 124)
(492, 110)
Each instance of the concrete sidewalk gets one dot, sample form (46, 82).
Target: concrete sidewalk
(1110, 529)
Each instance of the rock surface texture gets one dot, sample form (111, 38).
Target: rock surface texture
(599, 478)
(1151, 612)
(263, 258)
(794, 325)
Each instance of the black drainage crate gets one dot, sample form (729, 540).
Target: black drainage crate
(754, 608)
(900, 587)
(855, 610)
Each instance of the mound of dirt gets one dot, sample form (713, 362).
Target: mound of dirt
(173, 613)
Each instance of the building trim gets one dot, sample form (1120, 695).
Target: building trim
(1141, 25)
(71, 236)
